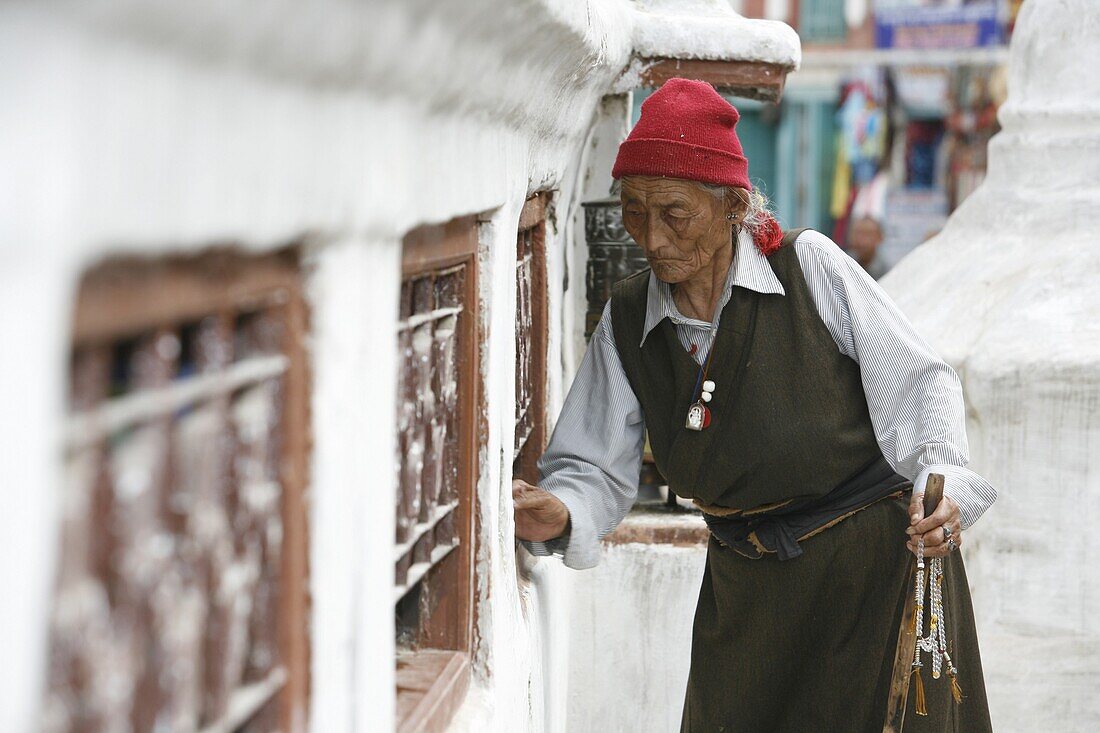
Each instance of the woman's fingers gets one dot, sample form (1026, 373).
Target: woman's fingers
(938, 547)
(933, 538)
(916, 508)
(947, 511)
(526, 497)
(937, 536)
(937, 551)
(532, 500)
(519, 486)
(539, 515)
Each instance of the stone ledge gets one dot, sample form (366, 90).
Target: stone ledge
(658, 525)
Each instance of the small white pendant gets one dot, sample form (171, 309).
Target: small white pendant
(698, 416)
(708, 386)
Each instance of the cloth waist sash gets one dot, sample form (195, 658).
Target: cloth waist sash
(779, 530)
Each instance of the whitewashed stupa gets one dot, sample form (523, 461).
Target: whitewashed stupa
(1009, 293)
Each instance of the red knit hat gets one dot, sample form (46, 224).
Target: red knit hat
(685, 131)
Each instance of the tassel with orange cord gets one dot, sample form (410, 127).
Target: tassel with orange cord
(921, 709)
(956, 690)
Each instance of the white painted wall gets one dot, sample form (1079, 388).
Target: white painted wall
(351, 557)
(134, 127)
(1008, 294)
(631, 644)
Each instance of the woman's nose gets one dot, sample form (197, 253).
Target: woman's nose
(652, 236)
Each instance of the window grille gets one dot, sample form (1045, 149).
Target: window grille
(427, 427)
(181, 591)
(531, 328)
(438, 435)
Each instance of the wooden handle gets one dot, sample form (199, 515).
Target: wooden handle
(907, 633)
(933, 492)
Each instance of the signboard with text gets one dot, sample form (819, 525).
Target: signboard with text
(937, 24)
(912, 216)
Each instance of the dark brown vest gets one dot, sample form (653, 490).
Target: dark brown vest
(789, 416)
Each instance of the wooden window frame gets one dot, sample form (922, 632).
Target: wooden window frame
(748, 79)
(532, 222)
(432, 679)
(123, 297)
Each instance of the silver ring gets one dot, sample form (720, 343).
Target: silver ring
(946, 531)
(951, 545)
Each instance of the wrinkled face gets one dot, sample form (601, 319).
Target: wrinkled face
(864, 239)
(679, 225)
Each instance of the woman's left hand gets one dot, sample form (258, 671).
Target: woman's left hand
(931, 527)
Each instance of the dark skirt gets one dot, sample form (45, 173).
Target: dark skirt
(808, 644)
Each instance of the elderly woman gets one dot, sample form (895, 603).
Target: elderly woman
(788, 397)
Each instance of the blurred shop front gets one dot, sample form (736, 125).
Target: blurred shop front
(883, 131)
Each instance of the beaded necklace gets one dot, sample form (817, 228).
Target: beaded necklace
(698, 415)
(935, 643)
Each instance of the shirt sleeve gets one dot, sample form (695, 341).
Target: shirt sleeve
(593, 461)
(915, 398)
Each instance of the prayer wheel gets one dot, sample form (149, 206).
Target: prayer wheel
(612, 254)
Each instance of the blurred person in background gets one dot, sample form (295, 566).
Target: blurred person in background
(864, 238)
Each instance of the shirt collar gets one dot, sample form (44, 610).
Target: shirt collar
(750, 270)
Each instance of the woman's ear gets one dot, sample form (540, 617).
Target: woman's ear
(737, 204)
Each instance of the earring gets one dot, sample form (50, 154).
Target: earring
(731, 217)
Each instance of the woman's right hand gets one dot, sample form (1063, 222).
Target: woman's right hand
(540, 515)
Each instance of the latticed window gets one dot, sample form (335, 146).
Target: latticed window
(427, 421)
(437, 440)
(181, 600)
(531, 325)
(822, 20)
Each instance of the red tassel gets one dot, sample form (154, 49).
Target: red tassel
(768, 237)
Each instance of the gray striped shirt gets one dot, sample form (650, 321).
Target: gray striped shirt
(915, 399)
